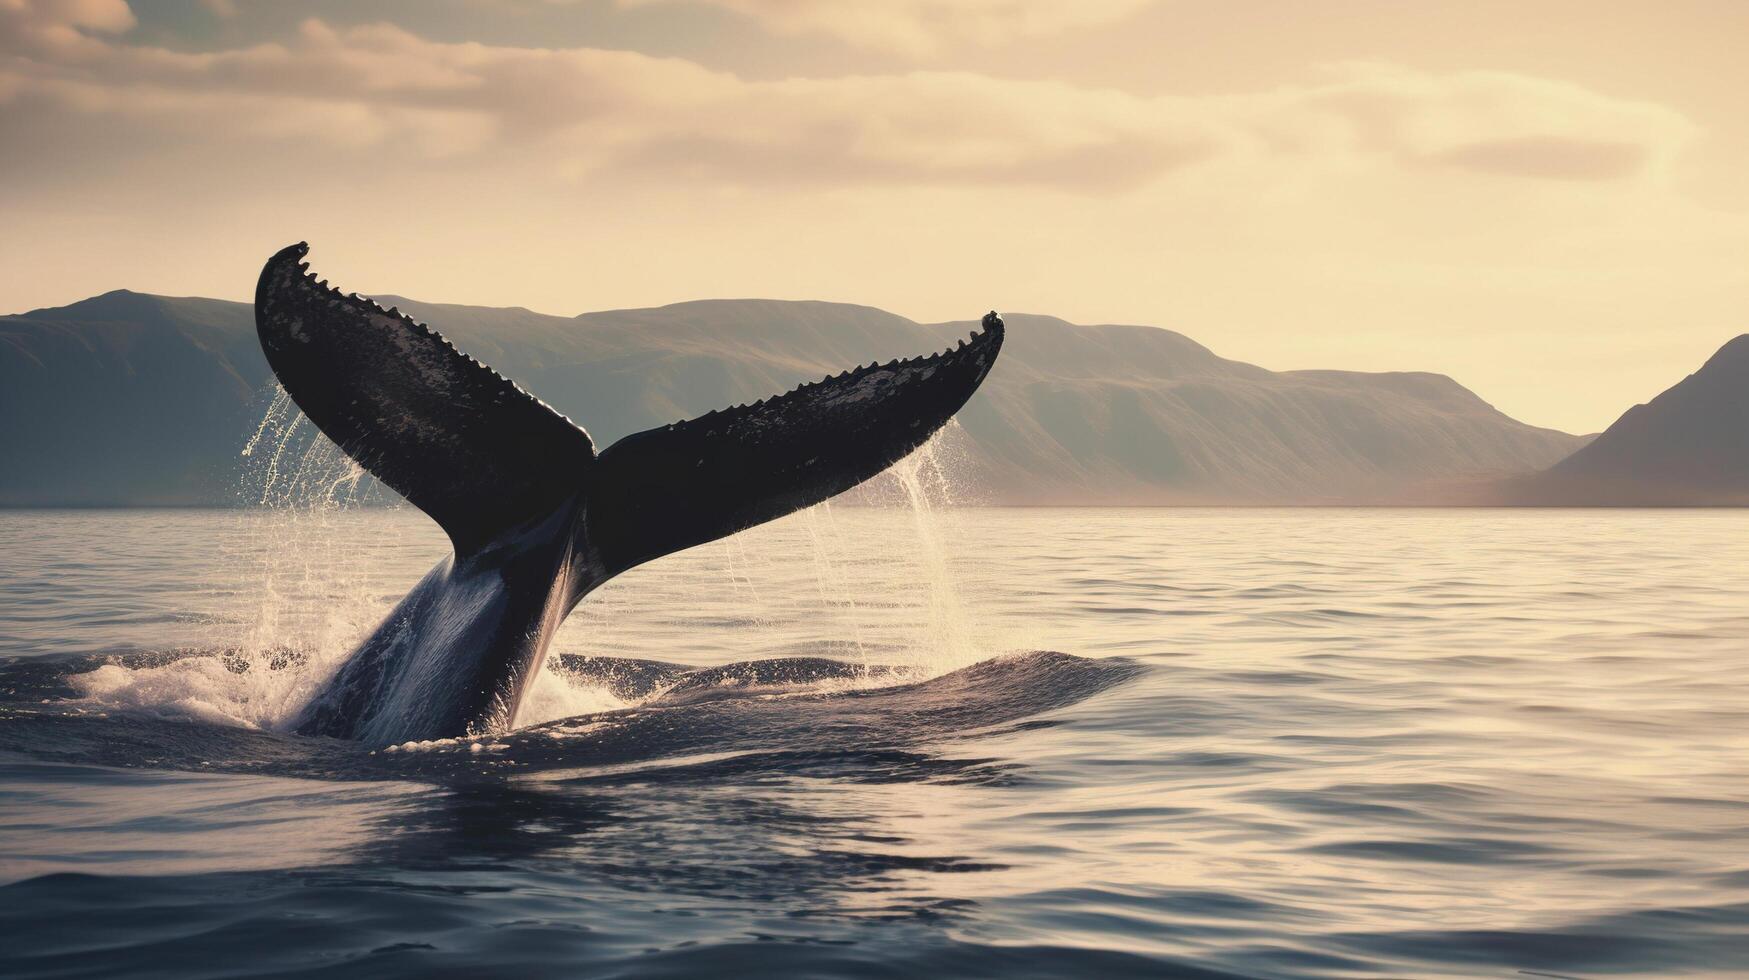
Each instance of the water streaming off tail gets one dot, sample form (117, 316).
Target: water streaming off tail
(294, 487)
(300, 595)
(947, 642)
(875, 579)
(309, 571)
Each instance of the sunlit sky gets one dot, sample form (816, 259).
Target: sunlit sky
(1546, 199)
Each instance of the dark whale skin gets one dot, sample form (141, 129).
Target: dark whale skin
(536, 517)
(458, 652)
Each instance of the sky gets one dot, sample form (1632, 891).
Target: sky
(1545, 199)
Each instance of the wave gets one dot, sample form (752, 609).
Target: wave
(216, 711)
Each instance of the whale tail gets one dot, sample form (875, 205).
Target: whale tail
(482, 456)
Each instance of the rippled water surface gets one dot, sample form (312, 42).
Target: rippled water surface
(1260, 743)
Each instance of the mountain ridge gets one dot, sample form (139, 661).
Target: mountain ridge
(135, 398)
(1687, 446)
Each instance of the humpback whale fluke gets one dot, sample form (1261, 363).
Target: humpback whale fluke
(536, 516)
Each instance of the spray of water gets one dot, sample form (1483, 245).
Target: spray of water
(299, 592)
(297, 490)
(295, 595)
(834, 590)
(923, 488)
(884, 592)
(928, 496)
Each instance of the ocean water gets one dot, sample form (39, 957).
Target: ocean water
(1200, 743)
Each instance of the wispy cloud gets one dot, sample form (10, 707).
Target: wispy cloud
(598, 111)
(61, 28)
(921, 27)
(1369, 214)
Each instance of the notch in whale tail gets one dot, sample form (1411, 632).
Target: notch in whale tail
(482, 456)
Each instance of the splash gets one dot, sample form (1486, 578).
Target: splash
(948, 642)
(916, 617)
(870, 579)
(297, 596)
(558, 693)
(835, 589)
(914, 628)
(308, 571)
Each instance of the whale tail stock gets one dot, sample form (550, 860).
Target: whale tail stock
(482, 457)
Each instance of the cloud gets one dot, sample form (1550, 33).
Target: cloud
(61, 28)
(1486, 122)
(919, 28)
(1564, 159)
(1368, 215)
(600, 113)
(595, 110)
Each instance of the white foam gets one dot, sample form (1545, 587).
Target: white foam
(200, 688)
(558, 693)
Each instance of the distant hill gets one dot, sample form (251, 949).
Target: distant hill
(1688, 446)
(129, 398)
(126, 399)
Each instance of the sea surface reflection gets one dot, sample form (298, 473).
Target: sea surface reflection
(1274, 743)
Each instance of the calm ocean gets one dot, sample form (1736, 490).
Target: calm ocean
(1262, 743)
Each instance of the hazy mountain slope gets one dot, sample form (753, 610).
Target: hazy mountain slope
(130, 398)
(126, 398)
(1143, 414)
(1689, 445)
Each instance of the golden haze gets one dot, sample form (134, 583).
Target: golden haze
(1542, 200)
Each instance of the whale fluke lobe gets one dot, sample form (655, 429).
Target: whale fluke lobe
(666, 489)
(464, 445)
(536, 517)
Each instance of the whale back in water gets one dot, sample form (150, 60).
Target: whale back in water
(536, 517)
